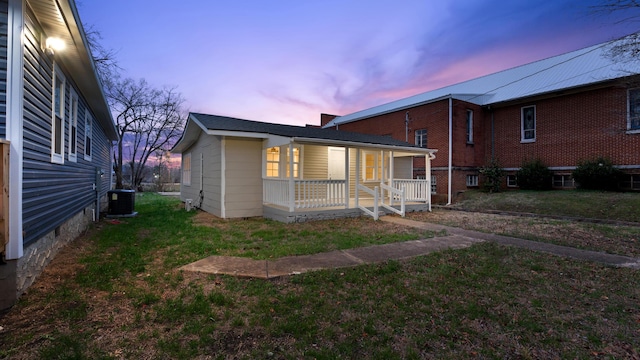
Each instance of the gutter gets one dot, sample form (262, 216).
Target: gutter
(366, 145)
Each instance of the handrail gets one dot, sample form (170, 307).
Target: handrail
(393, 194)
(376, 197)
(306, 194)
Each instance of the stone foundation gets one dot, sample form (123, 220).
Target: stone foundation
(17, 275)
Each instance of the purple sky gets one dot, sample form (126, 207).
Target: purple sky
(287, 61)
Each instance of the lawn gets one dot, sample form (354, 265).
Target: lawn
(116, 294)
(619, 206)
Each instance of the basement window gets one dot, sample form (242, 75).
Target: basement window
(563, 181)
(472, 180)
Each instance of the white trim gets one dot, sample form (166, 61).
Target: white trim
(88, 119)
(410, 149)
(185, 156)
(375, 166)
(73, 119)
(469, 126)
(14, 127)
(58, 76)
(629, 129)
(535, 124)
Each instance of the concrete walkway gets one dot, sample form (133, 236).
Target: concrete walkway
(456, 239)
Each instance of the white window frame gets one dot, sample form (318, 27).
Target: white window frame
(524, 131)
(512, 181)
(58, 114)
(421, 138)
(633, 117)
(73, 127)
(280, 164)
(472, 181)
(186, 169)
(434, 184)
(567, 182)
(469, 126)
(88, 136)
(375, 166)
(297, 163)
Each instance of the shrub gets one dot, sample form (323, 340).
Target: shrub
(492, 173)
(534, 175)
(598, 174)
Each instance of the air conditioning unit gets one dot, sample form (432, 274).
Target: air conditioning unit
(188, 204)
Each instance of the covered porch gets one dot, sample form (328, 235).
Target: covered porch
(305, 179)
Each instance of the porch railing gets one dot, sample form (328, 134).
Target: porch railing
(415, 189)
(307, 194)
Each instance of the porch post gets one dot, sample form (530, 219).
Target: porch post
(292, 189)
(391, 176)
(346, 177)
(427, 175)
(358, 170)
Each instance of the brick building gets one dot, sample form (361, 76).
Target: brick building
(576, 106)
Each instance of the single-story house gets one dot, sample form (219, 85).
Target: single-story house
(235, 168)
(562, 110)
(56, 132)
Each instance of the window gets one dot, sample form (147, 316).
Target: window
(563, 181)
(528, 124)
(73, 124)
(273, 162)
(57, 116)
(434, 182)
(88, 136)
(469, 126)
(630, 182)
(472, 180)
(421, 138)
(633, 119)
(296, 163)
(512, 181)
(370, 166)
(186, 169)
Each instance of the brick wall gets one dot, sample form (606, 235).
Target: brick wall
(569, 129)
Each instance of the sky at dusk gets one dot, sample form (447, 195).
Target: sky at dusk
(287, 61)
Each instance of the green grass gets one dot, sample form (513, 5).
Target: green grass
(575, 203)
(127, 299)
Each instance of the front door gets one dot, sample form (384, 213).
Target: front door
(336, 163)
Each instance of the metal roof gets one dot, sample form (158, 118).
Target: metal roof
(214, 124)
(582, 67)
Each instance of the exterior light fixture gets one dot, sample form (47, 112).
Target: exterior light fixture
(53, 44)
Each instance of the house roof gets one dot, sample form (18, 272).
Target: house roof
(61, 19)
(228, 126)
(578, 68)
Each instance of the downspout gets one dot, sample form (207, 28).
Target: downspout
(450, 149)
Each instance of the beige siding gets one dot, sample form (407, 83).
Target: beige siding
(314, 162)
(243, 177)
(204, 153)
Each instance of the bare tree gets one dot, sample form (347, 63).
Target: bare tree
(148, 120)
(104, 59)
(627, 48)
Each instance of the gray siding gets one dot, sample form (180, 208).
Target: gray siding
(4, 29)
(52, 193)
